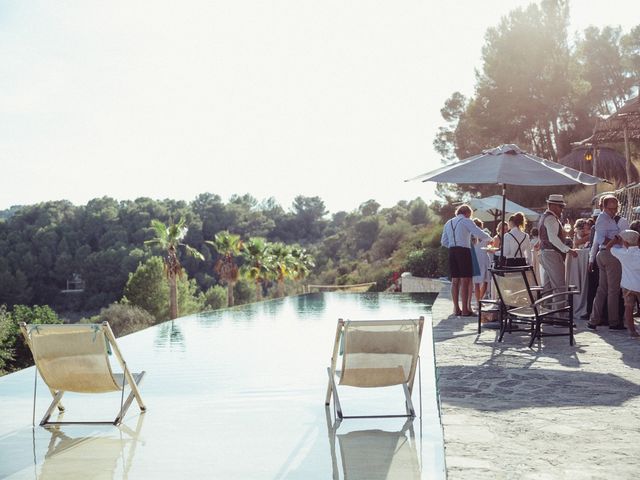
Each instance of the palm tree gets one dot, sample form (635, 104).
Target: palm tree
(169, 237)
(302, 262)
(282, 265)
(257, 266)
(228, 245)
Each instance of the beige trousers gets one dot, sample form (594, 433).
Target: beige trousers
(608, 289)
(554, 274)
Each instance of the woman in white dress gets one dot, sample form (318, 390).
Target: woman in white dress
(517, 246)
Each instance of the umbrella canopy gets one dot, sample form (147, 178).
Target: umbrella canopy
(508, 165)
(488, 209)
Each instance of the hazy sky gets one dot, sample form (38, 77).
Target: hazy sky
(168, 99)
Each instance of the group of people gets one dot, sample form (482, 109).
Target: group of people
(614, 257)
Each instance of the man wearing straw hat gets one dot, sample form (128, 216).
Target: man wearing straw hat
(552, 248)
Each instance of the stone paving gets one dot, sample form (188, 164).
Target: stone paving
(550, 412)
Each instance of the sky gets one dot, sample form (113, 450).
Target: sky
(163, 99)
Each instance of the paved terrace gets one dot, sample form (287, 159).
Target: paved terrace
(543, 413)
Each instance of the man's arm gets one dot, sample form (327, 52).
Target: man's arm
(444, 239)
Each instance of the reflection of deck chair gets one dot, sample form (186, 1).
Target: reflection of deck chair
(74, 358)
(376, 353)
(374, 454)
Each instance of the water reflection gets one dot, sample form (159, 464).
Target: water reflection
(311, 305)
(373, 454)
(105, 457)
(169, 336)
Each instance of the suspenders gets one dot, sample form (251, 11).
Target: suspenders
(518, 253)
(453, 229)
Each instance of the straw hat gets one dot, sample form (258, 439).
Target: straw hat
(557, 199)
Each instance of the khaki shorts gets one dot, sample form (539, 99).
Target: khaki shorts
(630, 297)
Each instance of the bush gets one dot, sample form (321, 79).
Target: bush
(428, 262)
(215, 297)
(123, 319)
(6, 353)
(13, 351)
(244, 291)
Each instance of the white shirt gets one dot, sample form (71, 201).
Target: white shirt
(457, 232)
(551, 223)
(511, 244)
(630, 260)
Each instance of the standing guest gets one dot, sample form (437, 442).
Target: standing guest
(593, 275)
(517, 246)
(581, 234)
(456, 236)
(535, 251)
(629, 258)
(552, 248)
(608, 225)
(481, 281)
(501, 230)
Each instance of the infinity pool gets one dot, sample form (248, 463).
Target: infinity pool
(236, 394)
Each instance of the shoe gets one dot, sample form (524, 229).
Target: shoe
(591, 326)
(617, 327)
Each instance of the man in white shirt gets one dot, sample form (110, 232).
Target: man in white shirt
(629, 257)
(552, 248)
(456, 236)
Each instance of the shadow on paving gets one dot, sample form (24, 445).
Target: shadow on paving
(494, 389)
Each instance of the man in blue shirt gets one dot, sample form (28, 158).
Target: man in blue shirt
(456, 236)
(607, 226)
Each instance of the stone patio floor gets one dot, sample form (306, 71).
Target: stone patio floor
(550, 412)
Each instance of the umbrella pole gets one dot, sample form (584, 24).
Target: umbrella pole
(504, 206)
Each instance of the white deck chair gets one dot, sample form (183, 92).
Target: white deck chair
(74, 358)
(375, 353)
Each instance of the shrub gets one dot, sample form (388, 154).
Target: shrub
(215, 297)
(244, 291)
(428, 262)
(123, 319)
(15, 354)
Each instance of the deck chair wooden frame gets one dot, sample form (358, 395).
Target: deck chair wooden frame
(524, 305)
(75, 358)
(352, 338)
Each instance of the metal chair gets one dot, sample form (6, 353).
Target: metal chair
(526, 309)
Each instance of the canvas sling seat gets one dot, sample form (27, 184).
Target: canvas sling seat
(75, 358)
(375, 353)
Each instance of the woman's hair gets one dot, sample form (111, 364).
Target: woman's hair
(534, 232)
(463, 209)
(501, 225)
(518, 220)
(478, 223)
(581, 222)
(635, 225)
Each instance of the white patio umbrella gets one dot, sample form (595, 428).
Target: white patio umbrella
(488, 209)
(508, 165)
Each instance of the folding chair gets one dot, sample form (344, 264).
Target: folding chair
(375, 353)
(525, 307)
(490, 305)
(75, 358)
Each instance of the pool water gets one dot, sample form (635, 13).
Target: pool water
(236, 393)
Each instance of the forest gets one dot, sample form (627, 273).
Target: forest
(535, 87)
